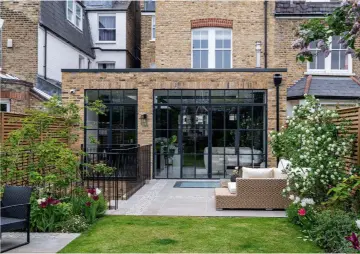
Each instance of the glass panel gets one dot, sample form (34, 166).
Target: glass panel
(91, 141)
(161, 117)
(189, 162)
(259, 142)
(104, 96)
(231, 96)
(312, 65)
(343, 60)
(117, 96)
(104, 119)
(160, 168)
(227, 59)
(196, 39)
(335, 60)
(246, 96)
(204, 43)
(335, 42)
(259, 97)
(218, 118)
(245, 142)
(196, 59)
(245, 115)
(130, 137)
(218, 142)
(201, 166)
(174, 116)
(188, 96)
(218, 59)
(320, 60)
(230, 138)
(107, 22)
(204, 59)
(217, 96)
(231, 117)
(196, 44)
(258, 118)
(130, 96)
(160, 96)
(129, 117)
(117, 138)
(160, 140)
(201, 139)
(189, 141)
(188, 120)
(117, 117)
(202, 96)
(92, 95)
(174, 97)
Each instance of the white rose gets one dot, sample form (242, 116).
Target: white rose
(39, 201)
(358, 223)
(89, 195)
(297, 200)
(97, 191)
(43, 199)
(291, 197)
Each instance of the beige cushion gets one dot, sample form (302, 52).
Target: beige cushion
(232, 187)
(278, 174)
(257, 172)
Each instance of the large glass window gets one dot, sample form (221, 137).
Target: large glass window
(211, 48)
(207, 133)
(107, 28)
(74, 13)
(336, 62)
(115, 129)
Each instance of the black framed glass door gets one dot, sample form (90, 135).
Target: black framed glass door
(207, 133)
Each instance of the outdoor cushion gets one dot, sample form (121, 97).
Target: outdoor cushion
(257, 173)
(232, 187)
(8, 223)
(279, 174)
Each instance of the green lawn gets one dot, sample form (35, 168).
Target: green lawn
(190, 234)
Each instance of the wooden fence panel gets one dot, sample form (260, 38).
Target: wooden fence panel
(353, 115)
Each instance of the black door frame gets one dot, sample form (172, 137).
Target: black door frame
(209, 105)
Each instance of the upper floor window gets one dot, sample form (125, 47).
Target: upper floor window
(337, 62)
(4, 105)
(212, 48)
(153, 27)
(107, 28)
(106, 65)
(149, 5)
(74, 13)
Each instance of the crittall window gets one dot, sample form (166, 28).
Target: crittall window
(338, 62)
(212, 48)
(107, 28)
(74, 13)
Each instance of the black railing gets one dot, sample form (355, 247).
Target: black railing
(132, 167)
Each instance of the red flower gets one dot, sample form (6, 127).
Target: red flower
(43, 204)
(95, 197)
(302, 212)
(52, 201)
(354, 240)
(92, 191)
(88, 204)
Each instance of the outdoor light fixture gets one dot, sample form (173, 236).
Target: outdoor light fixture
(258, 53)
(277, 83)
(143, 118)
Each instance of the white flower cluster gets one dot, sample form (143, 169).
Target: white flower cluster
(312, 144)
(41, 200)
(303, 202)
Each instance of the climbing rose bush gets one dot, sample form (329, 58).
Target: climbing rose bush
(316, 148)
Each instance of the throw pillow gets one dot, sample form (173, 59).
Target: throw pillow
(232, 187)
(257, 173)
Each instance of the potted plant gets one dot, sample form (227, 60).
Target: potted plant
(235, 174)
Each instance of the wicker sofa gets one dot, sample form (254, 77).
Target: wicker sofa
(253, 193)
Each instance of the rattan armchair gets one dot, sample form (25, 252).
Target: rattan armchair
(15, 212)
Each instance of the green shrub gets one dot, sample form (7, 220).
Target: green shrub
(330, 229)
(48, 214)
(292, 214)
(75, 224)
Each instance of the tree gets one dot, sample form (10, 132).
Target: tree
(344, 21)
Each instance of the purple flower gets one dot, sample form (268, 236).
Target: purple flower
(354, 241)
(350, 51)
(298, 43)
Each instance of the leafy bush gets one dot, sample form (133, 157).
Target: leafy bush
(48, 214)
(330, 229)
(75, 224)
(311, 142)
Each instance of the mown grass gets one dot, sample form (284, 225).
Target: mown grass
(190, 235)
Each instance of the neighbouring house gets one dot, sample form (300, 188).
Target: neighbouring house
(115, 31)
(332, 79)
(39, 38)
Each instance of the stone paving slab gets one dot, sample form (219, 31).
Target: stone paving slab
(39, 242)
(160, 198)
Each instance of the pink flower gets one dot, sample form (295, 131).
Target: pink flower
(354, 240)
(95, 197)
(43, 204)
(88, 204)
(91, 191)
(302, 212)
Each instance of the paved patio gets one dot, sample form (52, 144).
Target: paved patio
(160, 198)
(39, 242)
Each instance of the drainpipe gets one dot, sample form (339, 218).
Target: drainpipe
(265, 32)
(45, 53)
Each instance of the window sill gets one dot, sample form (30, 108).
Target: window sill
(345, 74)
(152, 40)
(105, 42)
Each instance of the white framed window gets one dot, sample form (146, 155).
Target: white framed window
(74, 13)
(5, 105)
(107, 28)
(211, 48)
(106, 65)
(153, 28)
(336, 63)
